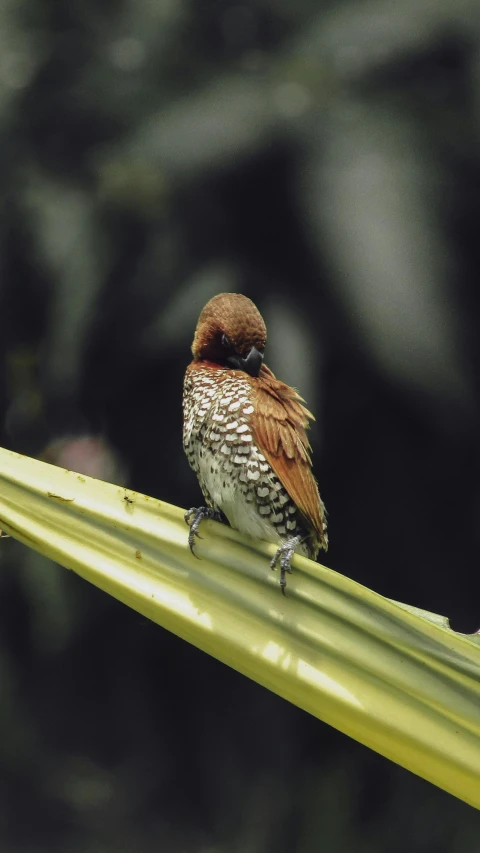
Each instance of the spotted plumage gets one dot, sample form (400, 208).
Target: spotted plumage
(244, 436)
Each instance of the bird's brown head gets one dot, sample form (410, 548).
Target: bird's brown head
(231, 333)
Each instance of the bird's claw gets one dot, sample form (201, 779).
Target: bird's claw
(194, 518)
(285, 553)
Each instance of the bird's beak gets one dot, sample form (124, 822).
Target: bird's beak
(251, 364)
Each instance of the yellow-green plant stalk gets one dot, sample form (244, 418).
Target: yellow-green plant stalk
(403, 684)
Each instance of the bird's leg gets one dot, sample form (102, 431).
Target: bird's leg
(285, 554)
(194, 518)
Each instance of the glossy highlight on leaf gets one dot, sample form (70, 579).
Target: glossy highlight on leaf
(392, 677)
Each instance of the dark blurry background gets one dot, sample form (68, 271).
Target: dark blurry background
(322, 158)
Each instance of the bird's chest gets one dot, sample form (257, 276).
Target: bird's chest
(217, 434)
(216, 416)
(233, 473)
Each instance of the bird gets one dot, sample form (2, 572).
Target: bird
(244, 435)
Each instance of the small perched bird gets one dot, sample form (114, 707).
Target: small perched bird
(244, 434)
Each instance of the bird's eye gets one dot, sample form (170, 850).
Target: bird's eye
(226, 342)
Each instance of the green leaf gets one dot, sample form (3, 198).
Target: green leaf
(393, 677)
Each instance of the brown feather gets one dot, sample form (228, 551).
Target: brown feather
(279, 427)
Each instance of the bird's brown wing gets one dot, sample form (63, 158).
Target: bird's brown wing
(279, 425)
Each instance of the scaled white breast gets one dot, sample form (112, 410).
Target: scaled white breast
(227, 492)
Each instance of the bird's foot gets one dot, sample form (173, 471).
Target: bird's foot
(194, 518)
(285, 554)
